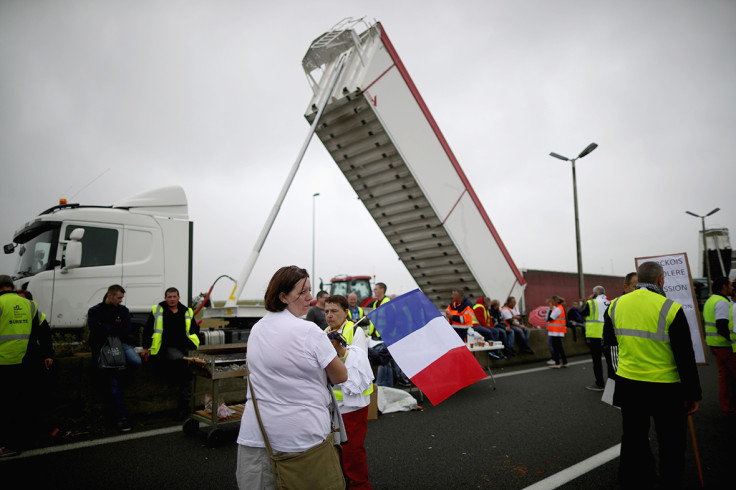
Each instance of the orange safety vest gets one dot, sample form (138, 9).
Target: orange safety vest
(467, 315)
(510, 321)
(559, 324)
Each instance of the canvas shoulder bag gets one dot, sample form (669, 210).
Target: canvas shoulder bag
(316, 468)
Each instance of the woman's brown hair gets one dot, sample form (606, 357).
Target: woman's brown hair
(283, 281)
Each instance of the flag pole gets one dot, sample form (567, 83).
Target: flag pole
(695, 449)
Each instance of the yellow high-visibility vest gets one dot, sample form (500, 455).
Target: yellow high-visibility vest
(16, 319)
(348, 333)
(158, 328)
(712, 337)
(641, 321)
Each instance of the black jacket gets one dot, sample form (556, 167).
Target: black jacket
(104, 320)
(175, 332)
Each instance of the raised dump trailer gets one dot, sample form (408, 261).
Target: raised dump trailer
(383, 138)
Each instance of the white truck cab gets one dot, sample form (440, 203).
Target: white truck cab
(70, 254)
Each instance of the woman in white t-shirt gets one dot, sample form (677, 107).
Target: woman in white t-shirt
(290, 361)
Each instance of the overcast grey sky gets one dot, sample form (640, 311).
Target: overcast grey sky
(101, 100)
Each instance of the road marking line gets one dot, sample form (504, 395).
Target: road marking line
(96, 442)
(583, 467)
(565, 476)
(532, 370)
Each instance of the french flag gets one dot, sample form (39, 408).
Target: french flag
(425, 346)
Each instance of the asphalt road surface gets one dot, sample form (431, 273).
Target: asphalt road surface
(539, 428)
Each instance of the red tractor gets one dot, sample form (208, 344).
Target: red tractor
(360, 285)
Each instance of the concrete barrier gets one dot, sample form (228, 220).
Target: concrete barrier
(73, 393)
(538, 343)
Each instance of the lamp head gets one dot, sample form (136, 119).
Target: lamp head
(553, 154)
(588, 149)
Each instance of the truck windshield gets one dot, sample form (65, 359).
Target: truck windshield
(37, 248)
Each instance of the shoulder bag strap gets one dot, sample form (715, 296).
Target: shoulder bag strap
(258, 414)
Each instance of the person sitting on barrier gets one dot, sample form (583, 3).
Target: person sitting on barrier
(170, 333)
(482, 323)
(498, 322)
(112, 318)
(460, 313)
(512, 317)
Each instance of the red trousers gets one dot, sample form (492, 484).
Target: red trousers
(353, 458)
(726, 360)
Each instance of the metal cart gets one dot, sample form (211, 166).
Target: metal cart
(216, 363)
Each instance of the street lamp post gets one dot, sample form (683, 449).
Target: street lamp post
(588, 149)
(314, 196)
(705, 245)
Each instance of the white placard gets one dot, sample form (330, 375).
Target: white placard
(678, 286)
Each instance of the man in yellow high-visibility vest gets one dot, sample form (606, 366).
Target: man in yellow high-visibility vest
(719, 335)
(170, 333)
(19, 318)
(592, 311)
(656, 377)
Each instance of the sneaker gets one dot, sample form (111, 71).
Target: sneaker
(551, 362)
(555, 366)
(6, 452)
(495, 355)
(124, 426)
(564, 365)
(594, 388)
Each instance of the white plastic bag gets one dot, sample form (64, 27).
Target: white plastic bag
(394, 400)
(223, 411)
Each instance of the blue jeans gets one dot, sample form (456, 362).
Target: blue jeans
(510, 336)
(112, 378)
(133, 358)
(500, 335)
(523, 336)
(487, 333)
(551, 347)
(385, 376)
(385, 372)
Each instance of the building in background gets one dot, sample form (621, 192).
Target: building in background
(542, 284)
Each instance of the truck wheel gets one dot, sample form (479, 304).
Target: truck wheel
(190, 427)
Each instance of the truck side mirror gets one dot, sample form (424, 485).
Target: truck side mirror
(9, 248)
(73, 256)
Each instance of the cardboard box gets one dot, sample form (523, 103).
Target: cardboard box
(373, 407)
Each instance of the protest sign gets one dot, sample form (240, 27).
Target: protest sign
(678, 286)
